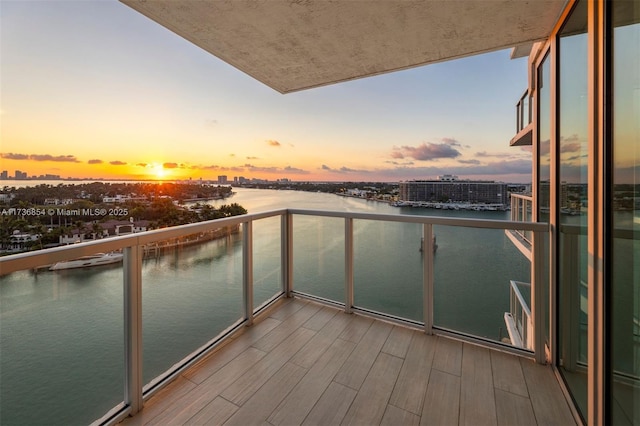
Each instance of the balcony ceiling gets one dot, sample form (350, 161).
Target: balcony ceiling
(291, 45)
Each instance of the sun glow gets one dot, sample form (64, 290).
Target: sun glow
(158, 171)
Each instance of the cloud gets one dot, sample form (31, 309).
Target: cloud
(343, 169)
(451, 141)
(397, 163)
(545, 147)
(253, 158)
(59, 158)
(295, 170)
(469, 161)
(521, 167)
(117, 163)
(95, 161)
(272, 142)
(428, 151)
(170, 165)
(142, 164)
(211, 123)
(12, 156)
(40, 157)
(570, 147)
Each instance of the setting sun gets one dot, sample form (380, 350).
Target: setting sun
(158, 171)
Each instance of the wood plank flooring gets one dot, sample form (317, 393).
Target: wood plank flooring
(315, 365)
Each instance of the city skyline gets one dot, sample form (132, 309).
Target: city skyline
(93, 88)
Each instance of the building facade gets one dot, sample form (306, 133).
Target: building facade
(456, 191)
(584, 91)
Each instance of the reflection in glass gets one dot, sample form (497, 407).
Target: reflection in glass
(625, 205)
(544, 170)
(544, 139)
(572, 202)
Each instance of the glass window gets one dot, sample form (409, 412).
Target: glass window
(572, 203)
(625, 205)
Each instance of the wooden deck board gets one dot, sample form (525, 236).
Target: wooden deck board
(323, 339)
(513, 409)
(355, 369)
(477, 401)
(547, 399)
(398, 341)
(229, 352)
(395, 416)
(309, 390)
(243, 388)
(448, 356)
(507, 374)
(215, 413)
(411, 385)
(370, 403)
(332, 406)
(266, 399)
(442, 401)
(310, 364)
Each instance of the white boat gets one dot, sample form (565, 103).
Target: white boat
(96, 259)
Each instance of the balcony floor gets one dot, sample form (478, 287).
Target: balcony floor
(305, 363)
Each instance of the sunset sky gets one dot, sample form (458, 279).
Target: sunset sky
(94, 89)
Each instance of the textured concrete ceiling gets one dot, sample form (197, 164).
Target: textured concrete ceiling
(297, 44)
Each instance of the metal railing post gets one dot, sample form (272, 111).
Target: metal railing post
(247, 270)
(133, 327)
(348, 264)
(537, 297)
(286, 253)
(427, 277)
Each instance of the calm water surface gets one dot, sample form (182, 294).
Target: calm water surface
(61, 338)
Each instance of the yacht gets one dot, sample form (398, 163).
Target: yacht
(96, 259)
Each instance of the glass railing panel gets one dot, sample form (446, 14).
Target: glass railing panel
(191, 292)
(472, 272)
(267, 254)
(318, 256)
(61, 344)
(388, 264)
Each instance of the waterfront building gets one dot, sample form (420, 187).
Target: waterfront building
(91, 231)
(449, 189)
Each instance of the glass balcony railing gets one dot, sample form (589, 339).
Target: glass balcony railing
(175, 294)
(524, 126)
(523, 111)
(521, 211)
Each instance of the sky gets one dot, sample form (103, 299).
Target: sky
(94, 89)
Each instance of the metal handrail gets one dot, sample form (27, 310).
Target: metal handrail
(520, 312)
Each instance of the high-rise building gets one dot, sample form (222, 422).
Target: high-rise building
(449, 189)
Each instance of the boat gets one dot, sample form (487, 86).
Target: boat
(96, 259)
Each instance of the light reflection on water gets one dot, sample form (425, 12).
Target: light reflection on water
(61, 332)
